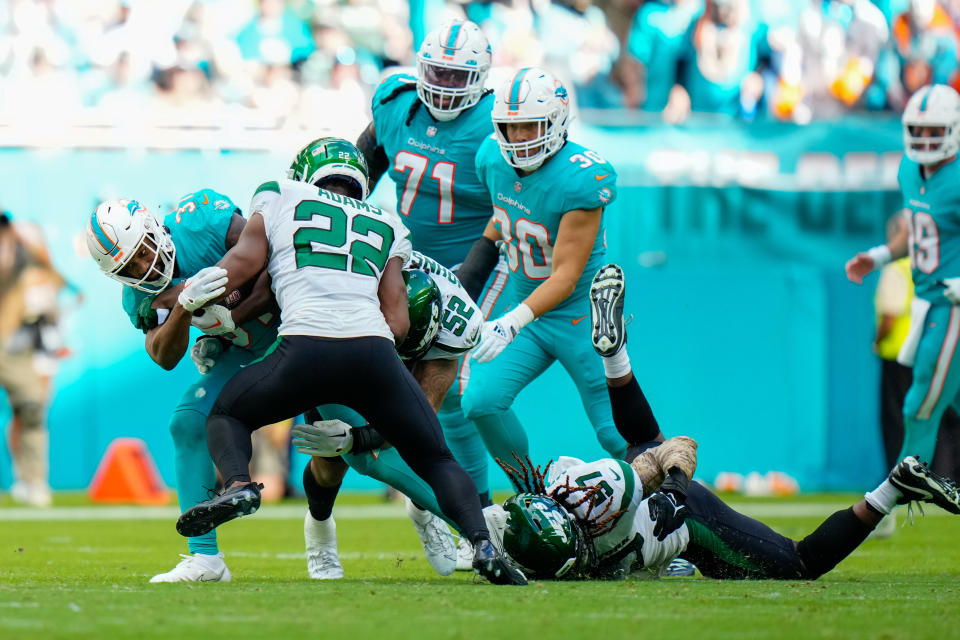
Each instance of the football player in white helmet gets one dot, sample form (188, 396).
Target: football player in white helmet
(157, 263)
(530, 116)
(452, 66)
(550, 194)
(130, 245)
(930, 184)
(425, 131)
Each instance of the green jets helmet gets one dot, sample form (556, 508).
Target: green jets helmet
(425, 302)
(542, 537)
(332, 159)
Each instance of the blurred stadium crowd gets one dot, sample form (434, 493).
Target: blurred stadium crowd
(290, 63)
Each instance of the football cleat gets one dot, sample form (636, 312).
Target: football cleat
(438, 544)
(239, 500)
(606, 310)
(197, 568)
(464, 555)
(323, 561)
(916, 481)
(496, 567)
(34, 494)
(680, 568)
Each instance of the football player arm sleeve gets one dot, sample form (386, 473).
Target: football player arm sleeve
(377, 162)
(480, 262)
(249, 256)
(575, 238)
(393, 299)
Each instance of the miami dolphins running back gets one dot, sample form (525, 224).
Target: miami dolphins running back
(930, 183)
(153, 261)
(549, 198)
(425, 133)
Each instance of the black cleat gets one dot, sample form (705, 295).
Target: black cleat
(917, 482)
(606, 310)
(495, 567)
(237, 501)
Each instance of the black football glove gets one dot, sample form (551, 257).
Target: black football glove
(667, 512)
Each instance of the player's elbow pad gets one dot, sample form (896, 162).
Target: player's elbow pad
(477, 266)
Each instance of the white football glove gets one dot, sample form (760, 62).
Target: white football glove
(324, 438)
(206, 285)
(951, 289)
(497, 334)
(205, 352)
(215, 320)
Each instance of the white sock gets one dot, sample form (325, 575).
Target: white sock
(883, 498)
(420, 516)
(617, 365)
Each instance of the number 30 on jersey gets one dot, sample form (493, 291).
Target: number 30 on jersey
(532, 248)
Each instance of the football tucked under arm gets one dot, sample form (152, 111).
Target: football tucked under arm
(673, 464)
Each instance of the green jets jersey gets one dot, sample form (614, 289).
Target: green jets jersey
(439, 197)
(527, 210)
(933, 210)
(199, 228)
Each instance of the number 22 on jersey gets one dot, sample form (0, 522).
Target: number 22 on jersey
(443, 173)
(364, 256)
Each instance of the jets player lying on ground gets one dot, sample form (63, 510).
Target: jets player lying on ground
(425, 132)
(336, 269)
(607, 518)
(152, 260)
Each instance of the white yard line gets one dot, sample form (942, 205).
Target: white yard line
(761, 510)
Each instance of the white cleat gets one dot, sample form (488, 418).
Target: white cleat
(197, 568)
(434, 534)
(32, 494)
(464, 555)
(496, 519)
(323, 561)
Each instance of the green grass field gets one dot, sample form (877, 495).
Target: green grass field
(82, 576)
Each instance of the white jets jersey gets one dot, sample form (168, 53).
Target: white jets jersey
(327, 254)
(630, 543)
(460, 319)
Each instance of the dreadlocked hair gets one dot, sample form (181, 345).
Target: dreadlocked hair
(530, 479)
(403, 88)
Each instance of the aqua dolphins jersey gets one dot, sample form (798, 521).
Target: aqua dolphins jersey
(527, 210)
(439, 197)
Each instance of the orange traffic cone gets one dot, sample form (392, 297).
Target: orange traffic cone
(127, 474)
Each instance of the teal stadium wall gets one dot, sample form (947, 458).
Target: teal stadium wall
(746, 334)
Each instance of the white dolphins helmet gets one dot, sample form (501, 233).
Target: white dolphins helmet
(532, 95)
(452, 66)
(932, 106)
(117, 230)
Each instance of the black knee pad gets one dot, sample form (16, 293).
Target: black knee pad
(30, 413)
